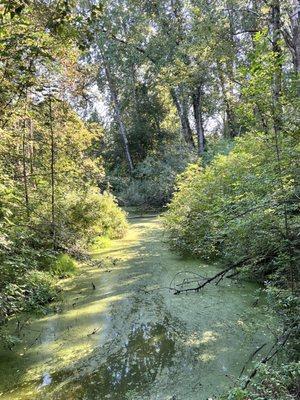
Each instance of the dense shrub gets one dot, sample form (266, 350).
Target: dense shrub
(64, 266)
(82, 216)
(272, 383)
(90, 215)
(153, 180)
(242, 207)
(33, 291)
(39, 289)
(30, 267)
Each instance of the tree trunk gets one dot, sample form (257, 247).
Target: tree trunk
(52, 173)
(25, 171)
(31, 146)
(277, 79)
(296, 41)
(118, 113)
(184, 120)
(229, 129)
(198, 119)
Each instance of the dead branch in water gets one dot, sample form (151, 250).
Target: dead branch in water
(277, 346)
(251, 357)
(185, 280)
(203, 281)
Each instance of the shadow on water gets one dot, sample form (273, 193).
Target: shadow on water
(147, 351)
(129, 338)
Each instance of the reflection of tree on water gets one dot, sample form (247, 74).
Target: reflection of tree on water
(148, 350)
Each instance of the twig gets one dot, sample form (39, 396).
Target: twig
(219, 276)
(280, 343)
(203, 284)
(251, 357)
(94, 332)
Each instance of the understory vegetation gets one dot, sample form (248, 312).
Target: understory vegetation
(241, 210)
(153, 180)
(186, 106)
(51, 207)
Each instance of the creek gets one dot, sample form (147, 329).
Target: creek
(119, 333)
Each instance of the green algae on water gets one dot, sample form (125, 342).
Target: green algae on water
(129, 338)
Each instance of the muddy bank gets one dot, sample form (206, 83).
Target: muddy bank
(128, 338)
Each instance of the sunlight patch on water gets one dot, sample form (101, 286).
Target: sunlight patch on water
(131, 339)
(147, 351)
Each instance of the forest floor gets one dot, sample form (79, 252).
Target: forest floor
(120, 334)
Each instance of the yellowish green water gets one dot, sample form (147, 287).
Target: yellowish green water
(131, 339)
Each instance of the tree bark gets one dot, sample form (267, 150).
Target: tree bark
(229, 128)
(118, 113)
(52, 173)
(278, 54)
(197, 107)
(184, 120)
(25, 180)
(296, 41)
(31, 146)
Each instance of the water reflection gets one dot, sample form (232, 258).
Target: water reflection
(148, 349)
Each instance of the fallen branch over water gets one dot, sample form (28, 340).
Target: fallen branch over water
(277, 346)
(202, 282)
(251, 357)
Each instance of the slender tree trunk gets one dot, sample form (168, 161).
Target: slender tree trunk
(52, 173)
(229, 129)
(31, 148)
(24, 167)
(24, 157)
(118, 113)
(198, 119)
(277, 78)
(184, 120)
(296, 41)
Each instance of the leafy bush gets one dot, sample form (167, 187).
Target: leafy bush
(153, 180)
(243, 209)
(237, 209)
(31, 292)
(90, 215)
(64, 266)
(216, 146)
(272, 383)
(101, 242)
(39, 289)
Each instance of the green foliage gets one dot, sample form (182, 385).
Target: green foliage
(235, 208)
(97, 215)
(64, 266)
(237, 394)
(272, 383)
(101, 242)
(153, 180)
(216, 146)
(88, 215)
(39, 289)
(286, 303)
(31, 292)
(49, 197)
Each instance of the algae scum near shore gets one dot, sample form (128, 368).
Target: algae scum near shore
(131, 339)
